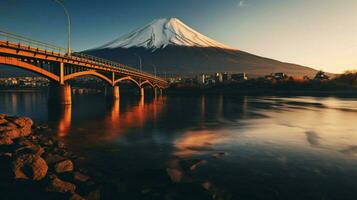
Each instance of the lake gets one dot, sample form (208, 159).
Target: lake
(207, 146)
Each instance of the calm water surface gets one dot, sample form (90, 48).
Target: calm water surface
(248, 147)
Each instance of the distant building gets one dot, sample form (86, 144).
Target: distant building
(218, 77)
(280, 76)
(226, 77)
(210, 81)
(320, 76)
(239, 77)
(201, 78)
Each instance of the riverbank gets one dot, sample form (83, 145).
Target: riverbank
(38, 166)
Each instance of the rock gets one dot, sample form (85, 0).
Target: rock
(15, 127)
(191, 164)
(57, 185)
(38, 151)
(53, 158)
(194, 166)
(60, 144)
(26, 146)
(3, 121)
(7, 126)
(5, 141)
(94, 195)
(219, 154)
(29, 166)
(76, 196)
(23, 121)
(64, 166)
(47, 142)
(80, 177)
(207, 185)
(6, 154)
(175, 175)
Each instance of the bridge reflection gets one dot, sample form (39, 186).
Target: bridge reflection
(135, 116)
(120, 116)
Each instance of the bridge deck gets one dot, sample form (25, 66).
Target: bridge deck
(25, 47)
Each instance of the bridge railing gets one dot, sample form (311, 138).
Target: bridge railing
(30, 43)
(113, 64)
(25, 42)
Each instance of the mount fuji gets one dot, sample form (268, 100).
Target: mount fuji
(172, 47)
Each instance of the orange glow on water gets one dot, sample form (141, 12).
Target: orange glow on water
(196, 142)
(65, 121)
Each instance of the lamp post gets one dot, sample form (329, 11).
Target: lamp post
(154, 69)
(140, 63)
(60, 2)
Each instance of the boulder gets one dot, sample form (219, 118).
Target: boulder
(76, 196)
(5, 141)
(57, 185)
(37, 150)
(64, 166)
(94, 195)
(25, 146)
(219, 154)
(23, 122)
(80, 177)
(53, 158)
(60, 144)
(175, 175)
(29, 166)
(15, 127)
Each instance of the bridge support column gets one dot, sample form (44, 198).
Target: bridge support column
(60, 94)
(155, 92)
(142, 91)
(160, 91)
(112, 92)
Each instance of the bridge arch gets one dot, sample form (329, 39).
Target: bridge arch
(127, 78)
(29, 67)
(157, 86)
(147, 83)
(89, 72)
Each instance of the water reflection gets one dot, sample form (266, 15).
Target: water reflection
(61, 117)
(196, 142)
(132, 116)
(293, 143)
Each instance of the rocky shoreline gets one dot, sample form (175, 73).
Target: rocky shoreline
(38, 166)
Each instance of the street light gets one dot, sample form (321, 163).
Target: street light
(154, 69)
(60, 2)
(139, 62)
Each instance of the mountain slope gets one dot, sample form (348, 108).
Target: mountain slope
(161, 33)
(174, 48)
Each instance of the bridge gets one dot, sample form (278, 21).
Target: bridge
(59, 67)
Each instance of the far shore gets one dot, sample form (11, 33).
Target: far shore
(253, 92)
(266, 92)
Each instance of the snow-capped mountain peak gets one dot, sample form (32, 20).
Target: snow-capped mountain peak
(161, 33)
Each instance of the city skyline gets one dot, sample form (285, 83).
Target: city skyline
(318, 34)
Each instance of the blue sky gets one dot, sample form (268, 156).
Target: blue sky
(317, 33)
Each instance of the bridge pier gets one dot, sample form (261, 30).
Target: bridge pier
(155, 92)
(160, 91)
(142, 91)
(60, 94)
(112, 92)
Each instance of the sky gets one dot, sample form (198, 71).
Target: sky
(317, 33)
